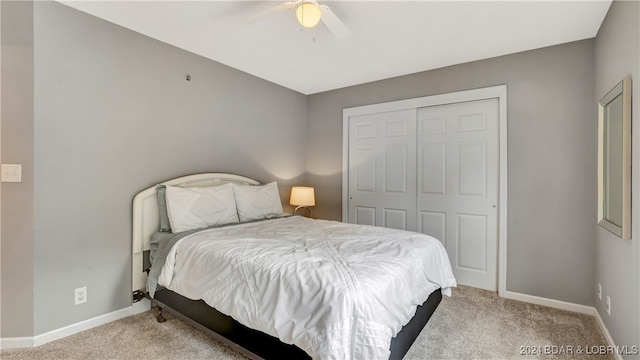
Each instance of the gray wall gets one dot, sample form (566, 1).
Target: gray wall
(617, 55)
(113, 114)
(16, 248)
(551, 158)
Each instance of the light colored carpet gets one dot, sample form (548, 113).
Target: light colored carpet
(477, 324)
(472, 324)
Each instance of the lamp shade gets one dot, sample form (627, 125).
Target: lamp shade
(302, 196)
(308, 14)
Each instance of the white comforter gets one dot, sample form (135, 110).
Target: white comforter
(337, 291)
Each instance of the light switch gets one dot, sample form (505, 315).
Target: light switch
(11, 173)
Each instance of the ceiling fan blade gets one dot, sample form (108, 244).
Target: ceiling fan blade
(331, 21)
(288, 5)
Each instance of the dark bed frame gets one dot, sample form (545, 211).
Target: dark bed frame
(258, 345)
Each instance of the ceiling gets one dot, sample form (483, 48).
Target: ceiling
(387, 38)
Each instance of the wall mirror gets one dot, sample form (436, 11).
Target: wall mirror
(614, 160)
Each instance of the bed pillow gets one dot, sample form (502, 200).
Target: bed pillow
(195, 208)
(257, 202)
(165, 226)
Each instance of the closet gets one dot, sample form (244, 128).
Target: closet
(430, 165)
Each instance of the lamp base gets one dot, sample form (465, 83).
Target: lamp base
(305, 208)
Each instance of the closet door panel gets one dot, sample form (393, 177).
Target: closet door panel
(364, 169)
(458, 181)
(382, 173)
(433, 223)
(433, 158)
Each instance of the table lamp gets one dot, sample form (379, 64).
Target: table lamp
(302, 197)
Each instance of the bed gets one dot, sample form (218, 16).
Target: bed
(270, 285)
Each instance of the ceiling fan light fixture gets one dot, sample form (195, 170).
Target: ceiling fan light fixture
(308, 14)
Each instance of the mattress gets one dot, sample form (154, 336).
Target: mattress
(335, 290)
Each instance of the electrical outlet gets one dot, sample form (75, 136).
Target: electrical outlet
(11, 173)
(81, 295)
(599, 291)
(608, 305)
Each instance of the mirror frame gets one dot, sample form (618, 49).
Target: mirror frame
(620, 227)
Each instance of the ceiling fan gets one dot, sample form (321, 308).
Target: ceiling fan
(308, 13)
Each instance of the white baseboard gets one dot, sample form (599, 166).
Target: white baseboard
(563, 305)
(605, 332)
(27, 342)
(16, 343)
(556, 304)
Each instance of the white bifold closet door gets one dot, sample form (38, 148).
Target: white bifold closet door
(432, 170)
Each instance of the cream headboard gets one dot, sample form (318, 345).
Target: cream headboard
(146, 217)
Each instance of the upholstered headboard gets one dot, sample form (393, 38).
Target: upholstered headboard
(146, 216)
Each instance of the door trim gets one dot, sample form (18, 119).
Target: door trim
(500, 92)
